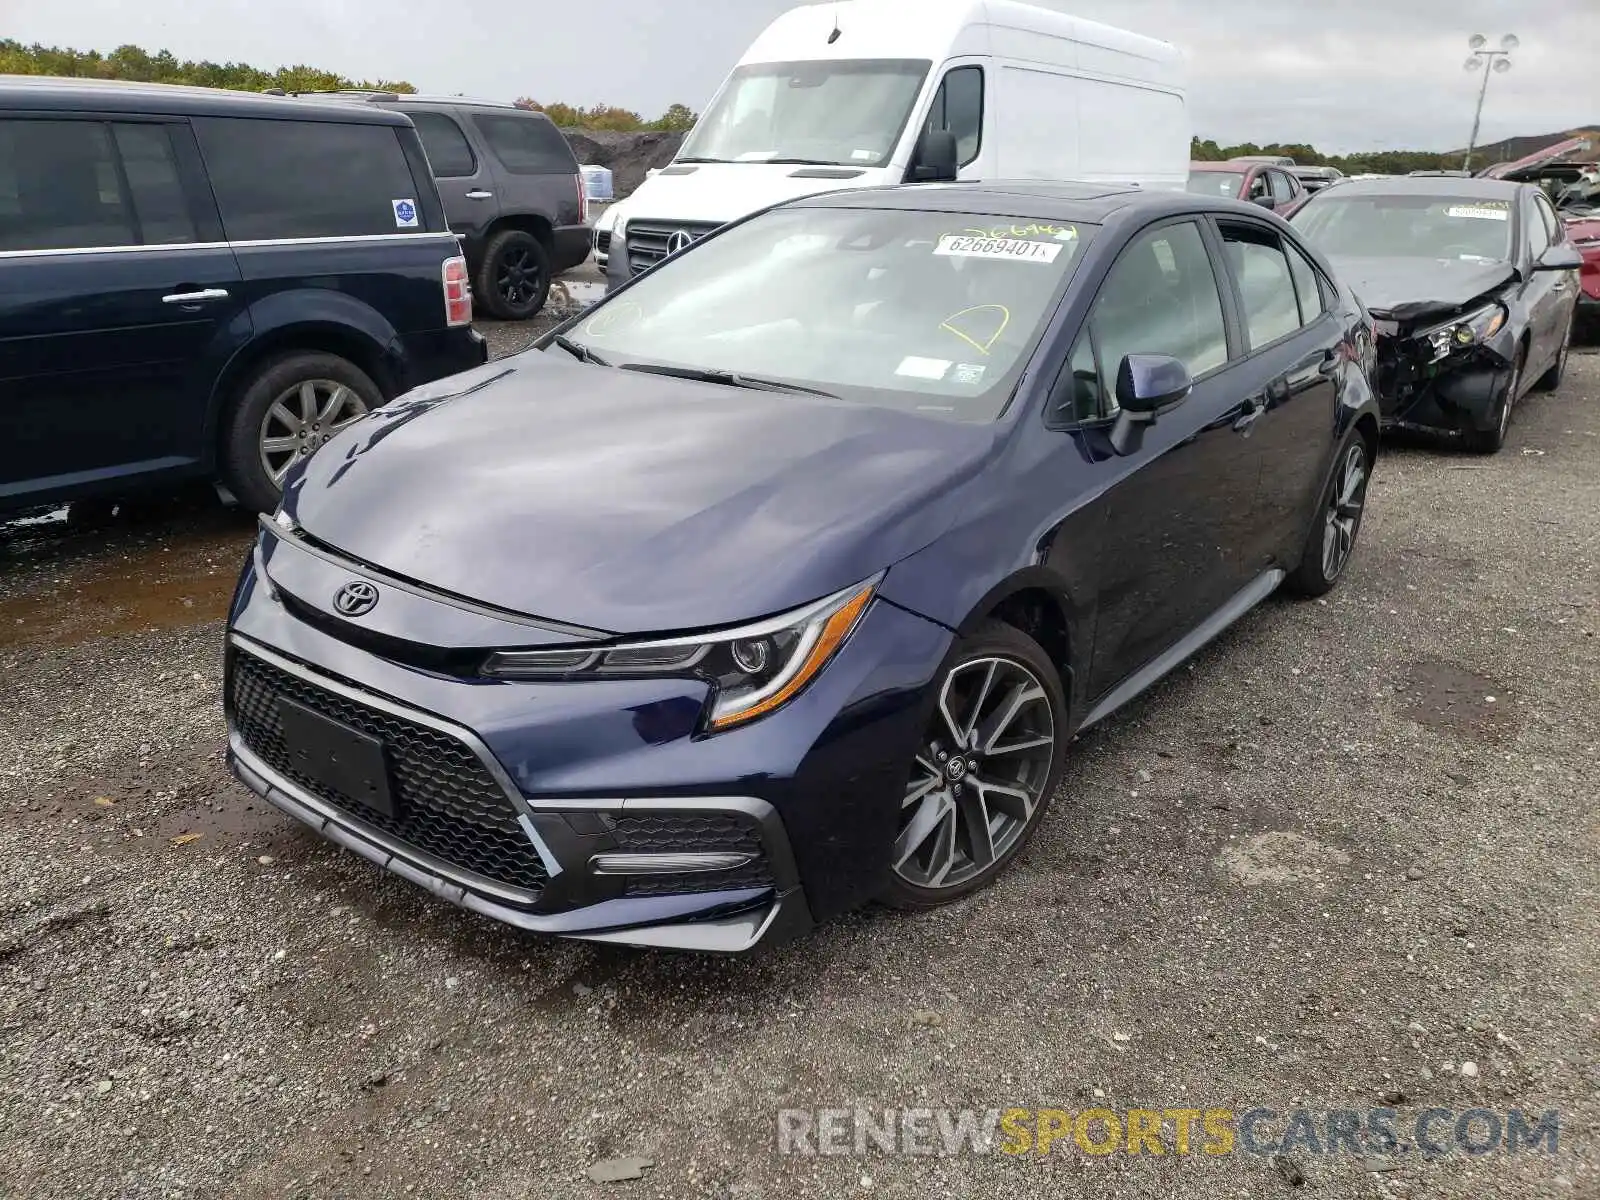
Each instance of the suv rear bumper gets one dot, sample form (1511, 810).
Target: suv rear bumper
(569, 247)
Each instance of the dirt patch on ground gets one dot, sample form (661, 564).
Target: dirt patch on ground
(1451, 699)
(1280, 857)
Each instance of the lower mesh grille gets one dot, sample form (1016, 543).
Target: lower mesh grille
(446, 802)
(689, 832)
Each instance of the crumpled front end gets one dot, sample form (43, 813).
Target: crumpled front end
(1448, 375)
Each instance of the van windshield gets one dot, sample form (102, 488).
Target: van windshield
(839, 112)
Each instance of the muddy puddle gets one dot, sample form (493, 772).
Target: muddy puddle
(60, 585)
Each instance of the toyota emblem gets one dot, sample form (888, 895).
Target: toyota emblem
(682, 239)
(356, 599)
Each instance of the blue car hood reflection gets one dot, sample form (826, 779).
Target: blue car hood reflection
(634, 503)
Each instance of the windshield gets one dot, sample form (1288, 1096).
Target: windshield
(1216, 183)
(931, 312)
(1408, 226)
(840, 112)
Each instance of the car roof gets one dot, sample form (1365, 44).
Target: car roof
(1232, 168)
(57, 94)
(1032, 199)
(414, 99)
(1432, 185)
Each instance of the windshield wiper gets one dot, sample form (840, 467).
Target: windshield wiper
(728, 378)
(579, 352)
(701, 160)
(806, 162)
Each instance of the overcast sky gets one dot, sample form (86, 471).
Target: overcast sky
(1365, 74)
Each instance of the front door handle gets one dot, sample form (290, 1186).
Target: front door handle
(201, 297)
(479, 194)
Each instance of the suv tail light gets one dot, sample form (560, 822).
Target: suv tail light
(583, 199)
(457, 295)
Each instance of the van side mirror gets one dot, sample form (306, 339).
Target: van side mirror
(1148, 385)
(936, 160)
(1560, 258)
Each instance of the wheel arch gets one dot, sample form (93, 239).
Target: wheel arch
(1036, 602)
(539, 226)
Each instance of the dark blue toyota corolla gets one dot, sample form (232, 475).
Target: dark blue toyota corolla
(780, 581)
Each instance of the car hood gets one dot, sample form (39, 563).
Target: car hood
(632, 503)
(1408, 289)
(724, 192)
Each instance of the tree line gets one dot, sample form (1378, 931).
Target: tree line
(679, 118)
(131, 62)
(1377, 162)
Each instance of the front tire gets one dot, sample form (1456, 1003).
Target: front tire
(985, 769)
(514, 277)
(1489, 441)
(285, 410)
(1331, 541)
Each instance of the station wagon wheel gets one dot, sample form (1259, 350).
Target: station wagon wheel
(983, 771)
(302, 419)
(282, 412)
(514, 278)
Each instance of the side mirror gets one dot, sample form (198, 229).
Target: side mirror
(1266, 202)
(936, 160)
(1148, 385)
(1559, 258)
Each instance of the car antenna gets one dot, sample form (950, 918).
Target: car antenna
(837, 32)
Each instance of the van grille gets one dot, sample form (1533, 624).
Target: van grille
(648, 240)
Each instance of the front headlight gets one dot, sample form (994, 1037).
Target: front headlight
(755, 669)
(1471, 330)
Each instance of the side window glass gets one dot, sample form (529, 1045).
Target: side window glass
(259, 171)
(1256, 257)
(1259, 187)
(1538, 233)
(59, 188)
(1552, 223)
(159, 201)
(958, 107)
(449, 153)
(527, 144)
(1282, 189)
(1160, 297)
(1307, 286)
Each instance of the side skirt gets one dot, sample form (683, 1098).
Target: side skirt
(1158, 668)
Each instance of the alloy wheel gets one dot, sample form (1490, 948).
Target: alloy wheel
(980, 775)
(302, 418)
(519, 277)
(1344, 510)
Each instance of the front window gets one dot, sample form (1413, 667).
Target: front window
(1216, 183)
(1408, 226)
(840, 112)
(932, 312)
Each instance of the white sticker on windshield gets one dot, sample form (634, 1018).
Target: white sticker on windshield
(1480, 212)
(923, 368)
(955, 245)
(968, 373)
(863, 155)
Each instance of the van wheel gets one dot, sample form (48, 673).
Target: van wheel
(285, 410)
(514, 278)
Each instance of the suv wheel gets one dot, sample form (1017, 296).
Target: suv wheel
(514, 278)
(285, 410)
(982, 777)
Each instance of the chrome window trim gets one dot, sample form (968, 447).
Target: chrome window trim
(255, 244)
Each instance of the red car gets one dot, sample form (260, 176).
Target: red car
(1573, 183)
(1267, 184)
(1584, 231)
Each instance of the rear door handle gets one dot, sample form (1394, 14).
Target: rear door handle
(201, 297)
(479, 194)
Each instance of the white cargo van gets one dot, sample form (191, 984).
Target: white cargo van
(860, 93)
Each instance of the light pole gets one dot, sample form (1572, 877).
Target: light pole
(1496, 61)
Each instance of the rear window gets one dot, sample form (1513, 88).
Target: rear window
(527, 144)
(300, 179)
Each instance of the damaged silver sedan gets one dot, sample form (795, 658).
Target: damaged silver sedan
(1471, 284)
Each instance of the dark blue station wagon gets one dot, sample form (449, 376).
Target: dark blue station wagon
(197, 283)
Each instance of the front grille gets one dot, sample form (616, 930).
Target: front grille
(689, 832)
(446, 802)
(647, 240)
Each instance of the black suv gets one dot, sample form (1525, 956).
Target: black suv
(203, 283)
(511, 189)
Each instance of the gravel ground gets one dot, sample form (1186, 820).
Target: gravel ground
(1347, 852)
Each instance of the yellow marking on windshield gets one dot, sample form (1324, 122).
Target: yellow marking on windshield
(611, 315)
(1061, 232)
(982, 347)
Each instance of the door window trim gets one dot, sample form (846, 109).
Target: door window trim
(1249, 351)
(250, 244)
(472, 151)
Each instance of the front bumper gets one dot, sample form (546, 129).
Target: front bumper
(530, 798)
(1459, 393)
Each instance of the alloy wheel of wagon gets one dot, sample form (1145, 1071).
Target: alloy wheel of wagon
(1343, 514)
(301, 419)
(984, 770)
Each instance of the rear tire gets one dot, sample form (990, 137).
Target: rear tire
(260, 435)
(984, 771)
(1331, 540)
(1551, 379)
(514, 278)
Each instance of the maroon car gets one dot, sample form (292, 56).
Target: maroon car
(1267, 184)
